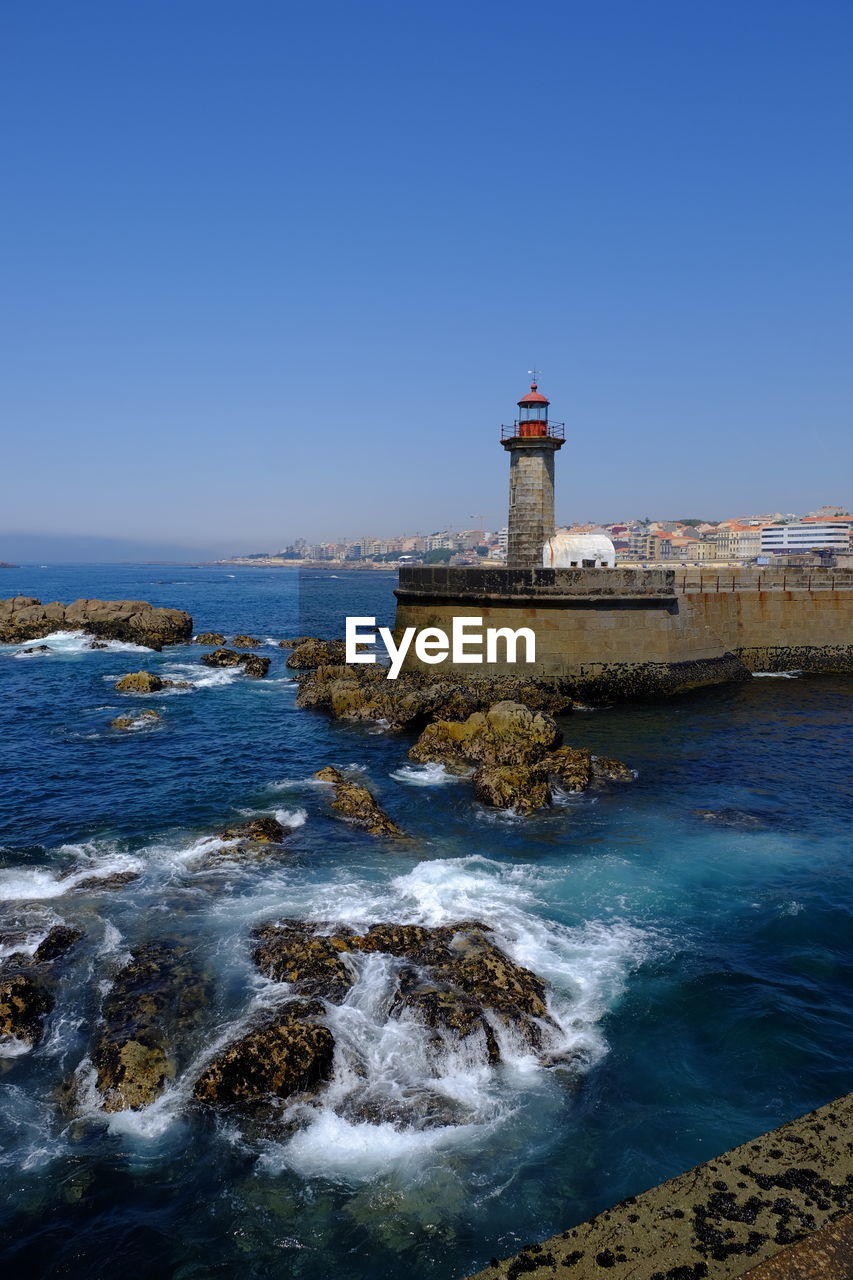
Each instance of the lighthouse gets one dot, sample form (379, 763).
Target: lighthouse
(531, 442)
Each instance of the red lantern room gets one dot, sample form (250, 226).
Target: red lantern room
(533, 413)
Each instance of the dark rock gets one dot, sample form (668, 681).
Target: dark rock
(136, 621)
(24, 1001)
(259, 830)
(116, 880)
(291, 951)
(289, 1055)
(36, 648)
(355, 803)
(255, 666)
(221, 658)
(60, 940)
(508, 733)
(157, 1000)
(317, 653)
(603, 767)
(522, 787)
(295, 643)
(246, 642)
(210, 637)
(99, 644)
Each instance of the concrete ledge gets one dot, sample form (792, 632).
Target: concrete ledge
(717, 1221)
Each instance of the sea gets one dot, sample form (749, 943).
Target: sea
(694, 927)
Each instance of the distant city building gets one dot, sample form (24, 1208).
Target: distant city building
(806, 536)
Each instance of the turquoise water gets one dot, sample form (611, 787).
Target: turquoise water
(701, 969)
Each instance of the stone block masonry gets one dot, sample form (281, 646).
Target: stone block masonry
(624, 633)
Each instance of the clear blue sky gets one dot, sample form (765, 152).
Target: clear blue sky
(273, 269)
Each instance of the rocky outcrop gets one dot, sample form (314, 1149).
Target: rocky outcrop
(134, 621)
(210, 637)
(245, 642)
(133, 722)
(156, 1001)
(291, 951)
(141, 682)
(455, 978)
(34, 651)
(317, 653)
(295, 642)
(507, 734)
(24, 1001)
(354, 802)
(252, 664)
(26, 980)
(520, 787)
(291, 1054)
(363, 692)
(610, 770)
(570, 767)
(264, 830)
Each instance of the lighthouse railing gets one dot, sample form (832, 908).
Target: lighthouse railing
(512, 431)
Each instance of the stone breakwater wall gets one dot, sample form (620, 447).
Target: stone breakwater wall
(642, 632)
(722, 1218)
(25, 618)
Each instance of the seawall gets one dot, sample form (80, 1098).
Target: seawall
(630, 633)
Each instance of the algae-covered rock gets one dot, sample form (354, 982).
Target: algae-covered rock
(522, 787)
(570, 766)
(295, 642)
(210, 638)
(156, 1001)
(317, 653)
(290, 951)
(246, 642)
(264, 830)
(508, 733)
(141, 682)
(58, 942)
(291, 1054)
(354, 802)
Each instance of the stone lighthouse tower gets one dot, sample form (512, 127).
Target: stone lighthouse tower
(531, 442)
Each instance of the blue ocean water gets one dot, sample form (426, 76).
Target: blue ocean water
(695, 928)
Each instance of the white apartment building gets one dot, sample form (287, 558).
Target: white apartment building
(832, 534)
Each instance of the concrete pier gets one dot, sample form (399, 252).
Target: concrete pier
(776, 1208)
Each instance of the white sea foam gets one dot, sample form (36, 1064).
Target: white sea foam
(38, 883)
(11, 1047)
(428, 775)
(200, 676)
(70, 643)
(777, 675)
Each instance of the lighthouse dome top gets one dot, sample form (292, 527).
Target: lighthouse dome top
(534, 396)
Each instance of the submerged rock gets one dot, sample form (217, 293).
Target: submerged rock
(291, 1054)
(105, 883)
(58, 942)
(157, 999)
(317, 653)
(507, 734)
(130, 722)
(134, 621)
(35, 649)
(291, 951)
(210, 637)
(355, 803)
(246, 642)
